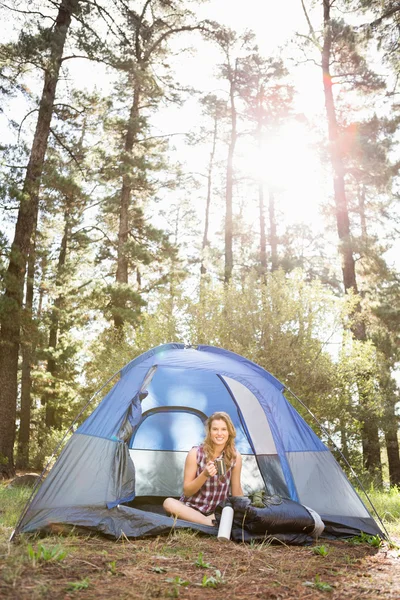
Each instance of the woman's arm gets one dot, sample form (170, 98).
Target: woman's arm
(191, 483)
(235, 480)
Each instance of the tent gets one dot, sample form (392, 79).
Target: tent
(128, 455)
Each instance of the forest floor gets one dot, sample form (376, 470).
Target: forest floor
(191, 566)
(188, 566)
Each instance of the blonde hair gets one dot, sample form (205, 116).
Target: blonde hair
(229, 450)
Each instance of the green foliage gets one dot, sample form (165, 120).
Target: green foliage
(12, 501)
(44, 554)
(76, 586)
(321, 550)
(201, 563)
(159, 569)
(44, 441)
(319, 585)
(387, 505)
(213, 581)
(178, 581)
(372, 540)
(112, 567)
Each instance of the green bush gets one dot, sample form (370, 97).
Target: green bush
(12, 501)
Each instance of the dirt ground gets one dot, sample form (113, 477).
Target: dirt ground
(165, 567)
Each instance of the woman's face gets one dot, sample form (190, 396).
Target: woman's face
(219, 432)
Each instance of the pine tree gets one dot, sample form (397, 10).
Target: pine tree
(53, 40)
(137, 157)
(341, 62)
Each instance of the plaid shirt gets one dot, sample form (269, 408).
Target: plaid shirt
(214, 490)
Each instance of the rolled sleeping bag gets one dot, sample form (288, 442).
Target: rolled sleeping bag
(278, 515)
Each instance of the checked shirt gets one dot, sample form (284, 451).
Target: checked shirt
(213, 491)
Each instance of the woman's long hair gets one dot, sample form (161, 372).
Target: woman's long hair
(229, 450)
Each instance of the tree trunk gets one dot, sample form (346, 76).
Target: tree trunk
(361, 206)
(229, 179)
(273, 238)
(392, 448)
(343, 441)
(370, 433)
(27, 350)
(391, 425)
(206, 242)
(126, 193)
(13, 297)
(49, 399)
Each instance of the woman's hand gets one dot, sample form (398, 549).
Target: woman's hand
(191, 483)
(210, 469)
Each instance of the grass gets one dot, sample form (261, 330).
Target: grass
(188, 565)
(12, 501)
(387, 505)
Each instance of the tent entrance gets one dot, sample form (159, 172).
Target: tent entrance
(173, 415)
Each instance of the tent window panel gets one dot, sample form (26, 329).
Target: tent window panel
(171, 431)
(322, 485)
(158, 473)
(254, 417)
(161, 473)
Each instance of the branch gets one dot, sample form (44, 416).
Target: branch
(155, 137)
(23, 120)
(80, 286)
(166, 34)
(80, 112)
(94, 227)
(68, 150)
(94, 204)
(92, 59)
(27, 12)
(311, 28)
(386, 15)
(103, 12)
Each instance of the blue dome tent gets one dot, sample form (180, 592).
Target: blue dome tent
(129, 453)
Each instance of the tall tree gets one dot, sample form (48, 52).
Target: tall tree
(149, 27)
(10, 317)
(215, 109)
(341, 63)
(232, 47)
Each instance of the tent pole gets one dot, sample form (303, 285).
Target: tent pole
(55, 452)
(342, 455)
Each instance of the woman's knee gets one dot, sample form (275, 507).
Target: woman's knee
(168, 504)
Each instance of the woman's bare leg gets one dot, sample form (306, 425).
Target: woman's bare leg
(176, 508)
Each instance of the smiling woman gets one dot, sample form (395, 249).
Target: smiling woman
(206, 481)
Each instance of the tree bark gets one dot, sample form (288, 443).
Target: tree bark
(27, 350)
(49, 399)
(393, 451)
(13, 297)
(125, 199)
(370, 433)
